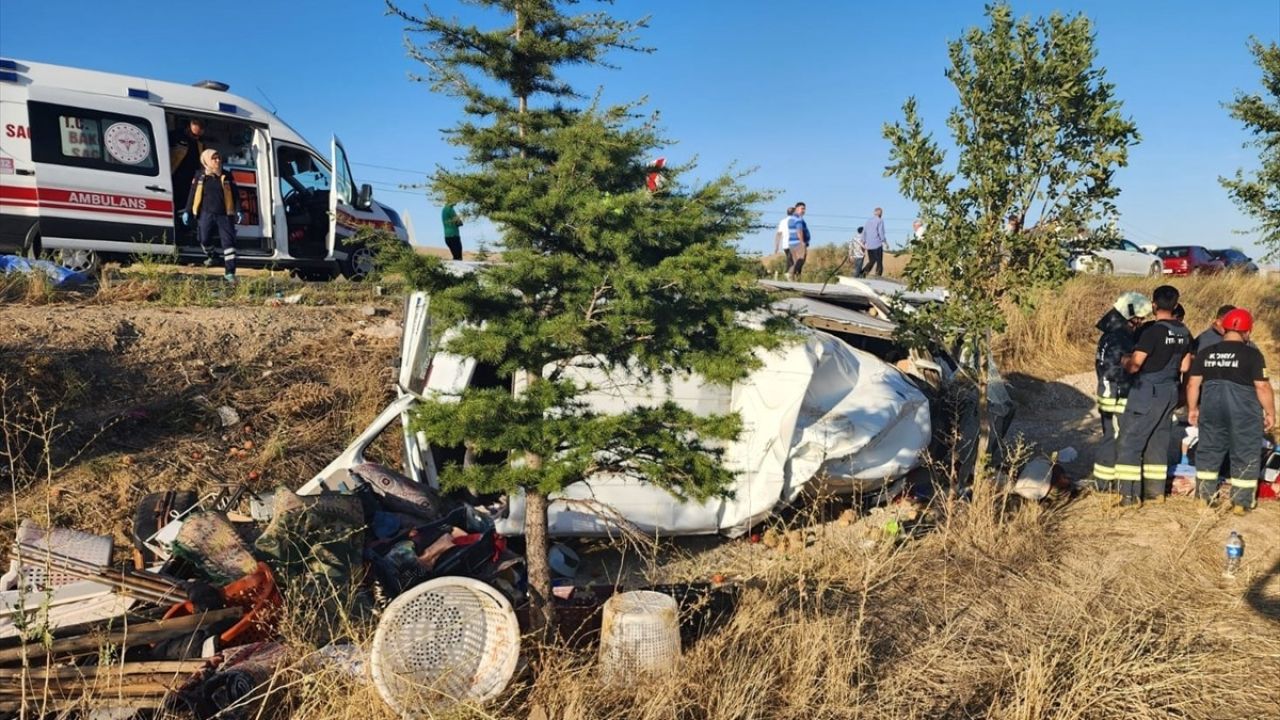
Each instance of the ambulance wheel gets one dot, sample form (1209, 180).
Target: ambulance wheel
(1102, 266)
(1157, 270)
(359, 264)
(31, 246)
(79, 260)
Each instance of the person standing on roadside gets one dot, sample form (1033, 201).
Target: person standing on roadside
(214, 201)
(798, 241)
(780, 238)
(1119, 334)
(185, 148)
(874, 240)
(1230, 399)
(452, 230)
(857, 253)
(1158, 360)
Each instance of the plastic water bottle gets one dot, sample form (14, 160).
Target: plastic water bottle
(1235, 551)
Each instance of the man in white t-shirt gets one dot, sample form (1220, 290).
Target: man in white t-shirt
(780, 238)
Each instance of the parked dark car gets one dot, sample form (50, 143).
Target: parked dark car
(1189, 260)
(1235, 261)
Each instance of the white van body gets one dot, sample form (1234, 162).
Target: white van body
(85, 173)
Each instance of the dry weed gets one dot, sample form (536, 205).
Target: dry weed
(1058, 337)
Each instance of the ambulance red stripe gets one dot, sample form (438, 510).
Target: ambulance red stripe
(17, 193)
(101, 200)
(96, 209)
(86, 201)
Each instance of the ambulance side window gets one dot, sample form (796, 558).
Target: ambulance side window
(83, 137)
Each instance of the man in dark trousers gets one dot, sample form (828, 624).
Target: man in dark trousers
(1158, 360)
(1119, 334)
(213, 201)
(1230, 399)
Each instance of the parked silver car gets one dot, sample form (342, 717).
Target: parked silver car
(1121, 257)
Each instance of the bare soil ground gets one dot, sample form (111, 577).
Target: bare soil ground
(1003, 610)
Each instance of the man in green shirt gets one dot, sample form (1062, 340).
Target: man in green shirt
(452, 231)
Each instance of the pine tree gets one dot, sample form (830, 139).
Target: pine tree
(597, 273)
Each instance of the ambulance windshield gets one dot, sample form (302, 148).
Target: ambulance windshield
(301, 171)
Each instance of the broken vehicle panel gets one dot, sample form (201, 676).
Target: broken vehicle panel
(846, 406)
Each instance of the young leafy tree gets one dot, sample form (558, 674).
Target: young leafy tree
(1037, 136)
(596, 273)
(1259, 194)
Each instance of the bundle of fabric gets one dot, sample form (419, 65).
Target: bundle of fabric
(240, 684)
(399, 494)
(315, 543)
(210, 542)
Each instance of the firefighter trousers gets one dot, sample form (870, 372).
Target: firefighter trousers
(1231, 429)
(1142, 449)
(1104, 458)
(224, 225)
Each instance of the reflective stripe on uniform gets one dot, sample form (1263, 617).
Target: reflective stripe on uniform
(1112, 405)
(1207, 475)
(1128, 472)
(1104, 472)
(1155, 471)
(1243, 484)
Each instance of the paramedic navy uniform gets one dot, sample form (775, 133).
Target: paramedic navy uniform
(1230, 419)
(212, 201)
(1142, 455)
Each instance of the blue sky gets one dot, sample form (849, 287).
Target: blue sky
(798, 90)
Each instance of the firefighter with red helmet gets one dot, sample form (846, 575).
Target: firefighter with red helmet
(1230, 399)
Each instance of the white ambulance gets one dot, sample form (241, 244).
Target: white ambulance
(85, 175)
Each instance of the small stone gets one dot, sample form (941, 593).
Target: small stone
(772, 539)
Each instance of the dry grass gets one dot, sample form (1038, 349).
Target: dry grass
(1005, 610)
(1058, 337)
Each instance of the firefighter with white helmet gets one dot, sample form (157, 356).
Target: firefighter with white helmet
(1159, 358)
(1230, 399)
(1119, 333)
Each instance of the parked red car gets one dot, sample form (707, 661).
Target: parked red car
(1189, 260)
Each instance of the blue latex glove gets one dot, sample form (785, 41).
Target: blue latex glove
(239, 218)
(186, 218)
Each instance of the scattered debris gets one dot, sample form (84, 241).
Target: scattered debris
(388, 329)
(59, 277)
(228, 416)
(639, 634)
(446, 641)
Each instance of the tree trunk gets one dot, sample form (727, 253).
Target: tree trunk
(980, 466)
(541, 612)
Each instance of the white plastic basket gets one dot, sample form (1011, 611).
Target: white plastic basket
(82, 546)
(639, 633)
(449, 640)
